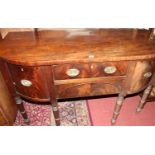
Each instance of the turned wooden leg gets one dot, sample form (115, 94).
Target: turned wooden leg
(117, 109)
(56, 113)
(146, 93)
(21, 108)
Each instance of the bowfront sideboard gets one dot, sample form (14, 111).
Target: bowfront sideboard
(70, 63)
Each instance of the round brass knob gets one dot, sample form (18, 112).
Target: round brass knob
(110, 69)
(73, 72)
(26, 83)
(148, 74)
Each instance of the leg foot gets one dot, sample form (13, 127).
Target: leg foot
(113, 121)
(138, 110)
(21, 108)
(27, 121)
(117, 109)
(144, 98)
(56, 113)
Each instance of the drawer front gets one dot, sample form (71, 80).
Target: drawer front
(71, 71)
(29, 81)
(84, 89)
(142, 75)
(77, 71)
(109, 69)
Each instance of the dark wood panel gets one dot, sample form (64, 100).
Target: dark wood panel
(60, 71)
(90, 70)
(8, 79)
(38, 89)
(139, 81)
(98, 69)
(8, 108)
(88, 89)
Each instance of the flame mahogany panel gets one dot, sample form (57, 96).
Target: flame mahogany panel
(38, 90)
(139, 82)
(92, 87)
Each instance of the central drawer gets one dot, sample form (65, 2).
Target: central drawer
(89, 70)
(89, 87)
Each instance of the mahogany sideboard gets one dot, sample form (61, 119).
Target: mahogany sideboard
(46, 66)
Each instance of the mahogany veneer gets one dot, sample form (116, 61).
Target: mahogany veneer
(8, 108)
(70, 63)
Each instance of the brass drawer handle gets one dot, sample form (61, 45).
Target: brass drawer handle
(148, 74)
(26, 83)
(73, 72)
(110, 69)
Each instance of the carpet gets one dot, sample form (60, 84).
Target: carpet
(97, 112)
(72, 113)
(101, 111)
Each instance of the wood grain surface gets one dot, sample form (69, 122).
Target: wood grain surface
(8, 108)
(56, 46)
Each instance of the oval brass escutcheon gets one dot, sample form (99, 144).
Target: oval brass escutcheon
(110, 69)
(26, 83)
(148, 74)
(73, 72)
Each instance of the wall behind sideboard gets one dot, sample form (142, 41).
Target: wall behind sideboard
(5, 31)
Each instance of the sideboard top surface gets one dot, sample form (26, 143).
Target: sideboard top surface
(76, 45)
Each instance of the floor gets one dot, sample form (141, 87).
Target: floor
(95, 112)
(101, 112)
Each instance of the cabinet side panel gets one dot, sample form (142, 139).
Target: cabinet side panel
(7, 104)
(139, 80)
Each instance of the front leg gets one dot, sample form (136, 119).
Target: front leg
(117, 109)
(56, 113)
(146, 93)
(22, 110)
